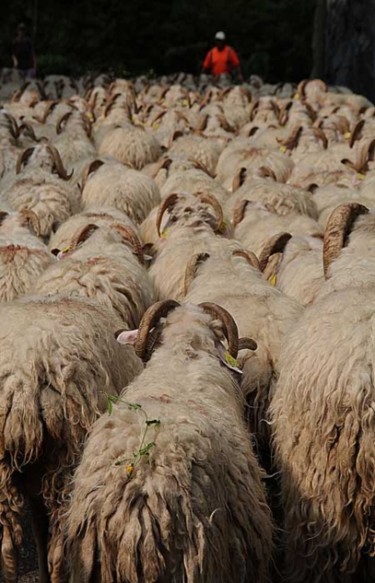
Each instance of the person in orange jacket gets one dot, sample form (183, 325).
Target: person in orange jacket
(222, 59)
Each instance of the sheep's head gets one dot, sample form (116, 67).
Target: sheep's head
(187, 328)
(190, 210)
(115, 232)
(14, 222)
(44, 156)
(198, 259)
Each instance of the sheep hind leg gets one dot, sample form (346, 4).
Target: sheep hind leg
(9, 566)
(39, 521)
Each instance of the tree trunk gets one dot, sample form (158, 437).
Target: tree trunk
(350, 45)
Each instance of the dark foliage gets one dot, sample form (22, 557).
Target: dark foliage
(272, 37)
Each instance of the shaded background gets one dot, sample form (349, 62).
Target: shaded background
(280, 40)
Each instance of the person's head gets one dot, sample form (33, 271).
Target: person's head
(220, 39)
(21, 29)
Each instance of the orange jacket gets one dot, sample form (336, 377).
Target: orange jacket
(218, 62)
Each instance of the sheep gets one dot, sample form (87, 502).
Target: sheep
(101, 216)
(99, 264)
(282, 199)
(183, 209)
(254, 160)
(167, 269)
(203, 150)
(193, 181)
(73, 138)
(255, 224)
(295, 267)
(130, 145)
(9, 152)
(50, 396)
(128, 190)
(185, 502)
(260, 311)
(23, 257)
(36, 189)
(323, 414)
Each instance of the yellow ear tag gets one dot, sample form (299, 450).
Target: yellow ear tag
(65, 250)
(282, 149)
(296, 96)
(164, 234)
(347, 135)
(273, 280)
(184, 102)
(360, 176)
(155, 125)
(230, 360)
(222, 227)
(129, 470)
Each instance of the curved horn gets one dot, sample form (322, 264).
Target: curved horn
(31, 219)
(58, 163)
(149, 321)
(14, 129)
(212, 201)
(84, 234)
(191, 269)
(230, 326)
(370, 150)
(62, 120)
(168, 202)
(29, 131)
(247, 344)
(319, 133)
(292, 141)
(338, 229)
(239, 178)
(23, 158)
(50, 107)
(356, 133)
(128, 234)
(301, 89)
(3, 216)
(201, 166)
(226, 126)
(239, 212)
(202, 123)
(267, 172)
(250, 257)
(92, 167)
(163, 163)
(275, 245)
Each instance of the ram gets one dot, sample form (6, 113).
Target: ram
(50, 395)
(168, 487)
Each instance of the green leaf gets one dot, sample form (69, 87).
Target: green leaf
(146, 449)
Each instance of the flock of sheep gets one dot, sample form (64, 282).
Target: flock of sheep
(187, 278)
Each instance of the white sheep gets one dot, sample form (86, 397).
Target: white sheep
(130, 145)
(50, 396)
(168, 487)
(255, 224)
(323, 414)
(23, 257)
(128, 190)
(103, 263)
(100, 216)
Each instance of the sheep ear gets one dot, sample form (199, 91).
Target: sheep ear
(126, 336)
(227, 359)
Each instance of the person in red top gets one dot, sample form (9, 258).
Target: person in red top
(222, 59)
